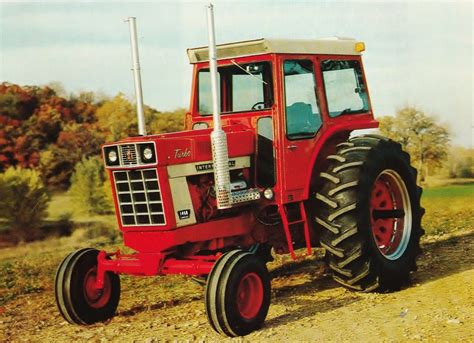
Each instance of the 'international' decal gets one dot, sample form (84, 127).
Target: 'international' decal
(210, 166)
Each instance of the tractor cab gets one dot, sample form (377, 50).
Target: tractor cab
(295, 94)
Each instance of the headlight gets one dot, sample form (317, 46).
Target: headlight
(268, 193)
(112, 156)
(147, 154)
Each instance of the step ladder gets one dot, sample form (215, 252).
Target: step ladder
(289, 225)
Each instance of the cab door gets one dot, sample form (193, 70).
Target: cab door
(300, 123)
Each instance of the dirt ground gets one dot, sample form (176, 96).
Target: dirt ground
(306, 306)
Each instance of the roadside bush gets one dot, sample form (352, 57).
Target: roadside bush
(23, 201)
(88, 187)
(460, 163)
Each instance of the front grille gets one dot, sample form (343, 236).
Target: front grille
(129, 154)
(139, 197)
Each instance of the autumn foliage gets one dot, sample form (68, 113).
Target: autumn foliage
(33, 120)
(49, 133)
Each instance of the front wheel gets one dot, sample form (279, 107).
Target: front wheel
(368, 209)
(77, 298)
(237, 294)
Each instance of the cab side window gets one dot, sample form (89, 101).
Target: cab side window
(303, 117)
(344, 86)
(204, 91)
(265, 153)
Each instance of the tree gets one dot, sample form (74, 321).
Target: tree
(17, 105)
(88, 187)
(163, 122)
(39, 129)
(460, 163)
(117, 118)
(75, 141)
(42, 129)
(420, 135)
(23, 202)
(58, 88)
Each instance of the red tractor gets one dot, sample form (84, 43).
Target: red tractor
(266, 161)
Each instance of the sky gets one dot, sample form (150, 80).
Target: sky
(418, 53)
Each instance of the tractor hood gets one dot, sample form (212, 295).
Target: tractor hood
(179, 147)
(149, 175)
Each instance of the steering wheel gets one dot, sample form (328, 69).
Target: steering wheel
(258, 105)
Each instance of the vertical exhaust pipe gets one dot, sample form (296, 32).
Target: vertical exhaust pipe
(218, 137)
(136, 75)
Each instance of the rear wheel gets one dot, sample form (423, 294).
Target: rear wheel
(368, 209)
(78, 300)
(237, 294)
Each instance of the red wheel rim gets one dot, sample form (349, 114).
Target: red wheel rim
(95, 297)
(390, 214)
(250, 295)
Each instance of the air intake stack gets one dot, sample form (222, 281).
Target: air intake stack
(136, 75)
(220, 154)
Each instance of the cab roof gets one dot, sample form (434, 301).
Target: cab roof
(329, 46)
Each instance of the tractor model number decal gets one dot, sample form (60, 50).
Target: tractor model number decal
(184, 214)
(210, 166)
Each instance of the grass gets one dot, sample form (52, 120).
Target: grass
(438, 181)
(61, 204)
(452, 191)
(29, 268)
(448, 208)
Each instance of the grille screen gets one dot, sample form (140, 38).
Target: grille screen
(139, 197)
(129, 154)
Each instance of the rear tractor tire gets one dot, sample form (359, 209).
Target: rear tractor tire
(368, 209)
(237, 295)
(77, 298)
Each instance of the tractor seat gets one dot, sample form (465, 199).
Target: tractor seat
(300, 119)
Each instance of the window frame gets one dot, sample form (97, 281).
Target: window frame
(315, 89)
(323, 84)
(226, 95)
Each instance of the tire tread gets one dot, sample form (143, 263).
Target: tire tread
(341, 187)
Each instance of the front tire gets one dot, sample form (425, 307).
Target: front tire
(237, 294)
(78, 301)
(368, 209)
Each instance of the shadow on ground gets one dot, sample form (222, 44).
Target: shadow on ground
(440, 259)
(445, 257)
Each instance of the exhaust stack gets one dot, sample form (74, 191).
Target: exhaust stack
(136, 75)
(220, 154)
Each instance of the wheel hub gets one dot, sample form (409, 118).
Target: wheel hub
(250, 295)
(390, 214)
(94, 296)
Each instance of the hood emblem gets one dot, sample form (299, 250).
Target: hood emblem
(180, 153)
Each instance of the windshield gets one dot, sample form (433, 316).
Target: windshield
(242, 87)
